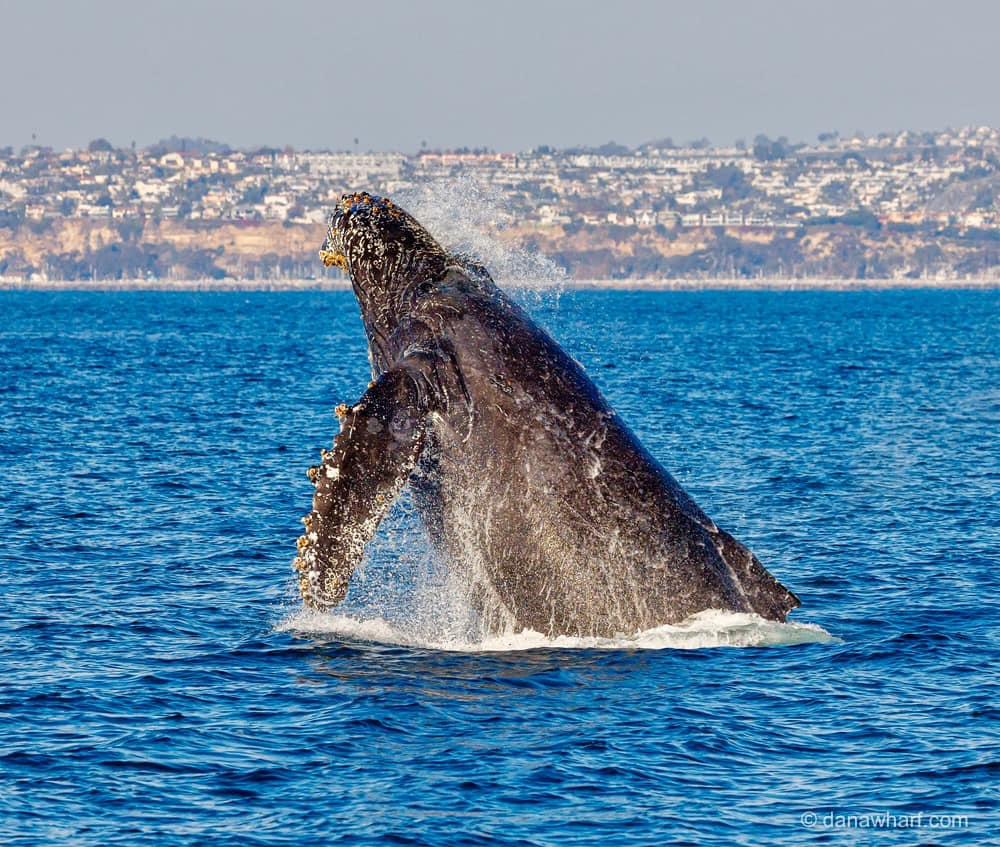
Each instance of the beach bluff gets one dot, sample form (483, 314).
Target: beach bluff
(904, 205)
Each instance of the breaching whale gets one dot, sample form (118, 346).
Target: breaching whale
(555, 516)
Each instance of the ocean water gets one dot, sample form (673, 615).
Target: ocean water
(160, 683)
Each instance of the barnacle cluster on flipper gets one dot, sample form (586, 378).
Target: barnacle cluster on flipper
(306, 564)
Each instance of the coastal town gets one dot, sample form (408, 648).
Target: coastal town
(910, 205)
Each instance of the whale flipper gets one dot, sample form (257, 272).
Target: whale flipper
(372, 457)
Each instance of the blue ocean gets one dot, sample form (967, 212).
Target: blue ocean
(161, 684)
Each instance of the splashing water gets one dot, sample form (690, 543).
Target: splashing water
(711, 628)
(467, 217)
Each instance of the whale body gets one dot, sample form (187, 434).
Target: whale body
(540, 497)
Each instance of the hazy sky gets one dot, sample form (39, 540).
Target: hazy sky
(508, 75)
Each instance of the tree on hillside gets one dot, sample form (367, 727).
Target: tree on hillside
(730, 179)
(662, 144)
(837, 193)
(767, 150)
(613, 149)
(254, 193)
(984, 198)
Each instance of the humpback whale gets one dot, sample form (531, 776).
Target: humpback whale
(530, 485)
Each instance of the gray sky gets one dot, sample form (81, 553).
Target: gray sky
(508, 75)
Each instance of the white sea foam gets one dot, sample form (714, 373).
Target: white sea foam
(712, 628)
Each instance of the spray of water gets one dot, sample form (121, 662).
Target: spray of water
(711, 628)
(468, 217)
(404, 583)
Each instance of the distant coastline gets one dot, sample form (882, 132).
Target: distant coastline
(709, 284)
(902, 205)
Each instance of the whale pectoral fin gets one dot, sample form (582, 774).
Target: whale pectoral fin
(379, 442)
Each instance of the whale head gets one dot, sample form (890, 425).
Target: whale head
(382, 248)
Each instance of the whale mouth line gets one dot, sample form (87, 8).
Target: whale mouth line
(331, 258)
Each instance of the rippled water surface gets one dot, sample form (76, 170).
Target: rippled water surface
(160, 684)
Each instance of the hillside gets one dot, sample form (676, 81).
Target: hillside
(904, 205)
